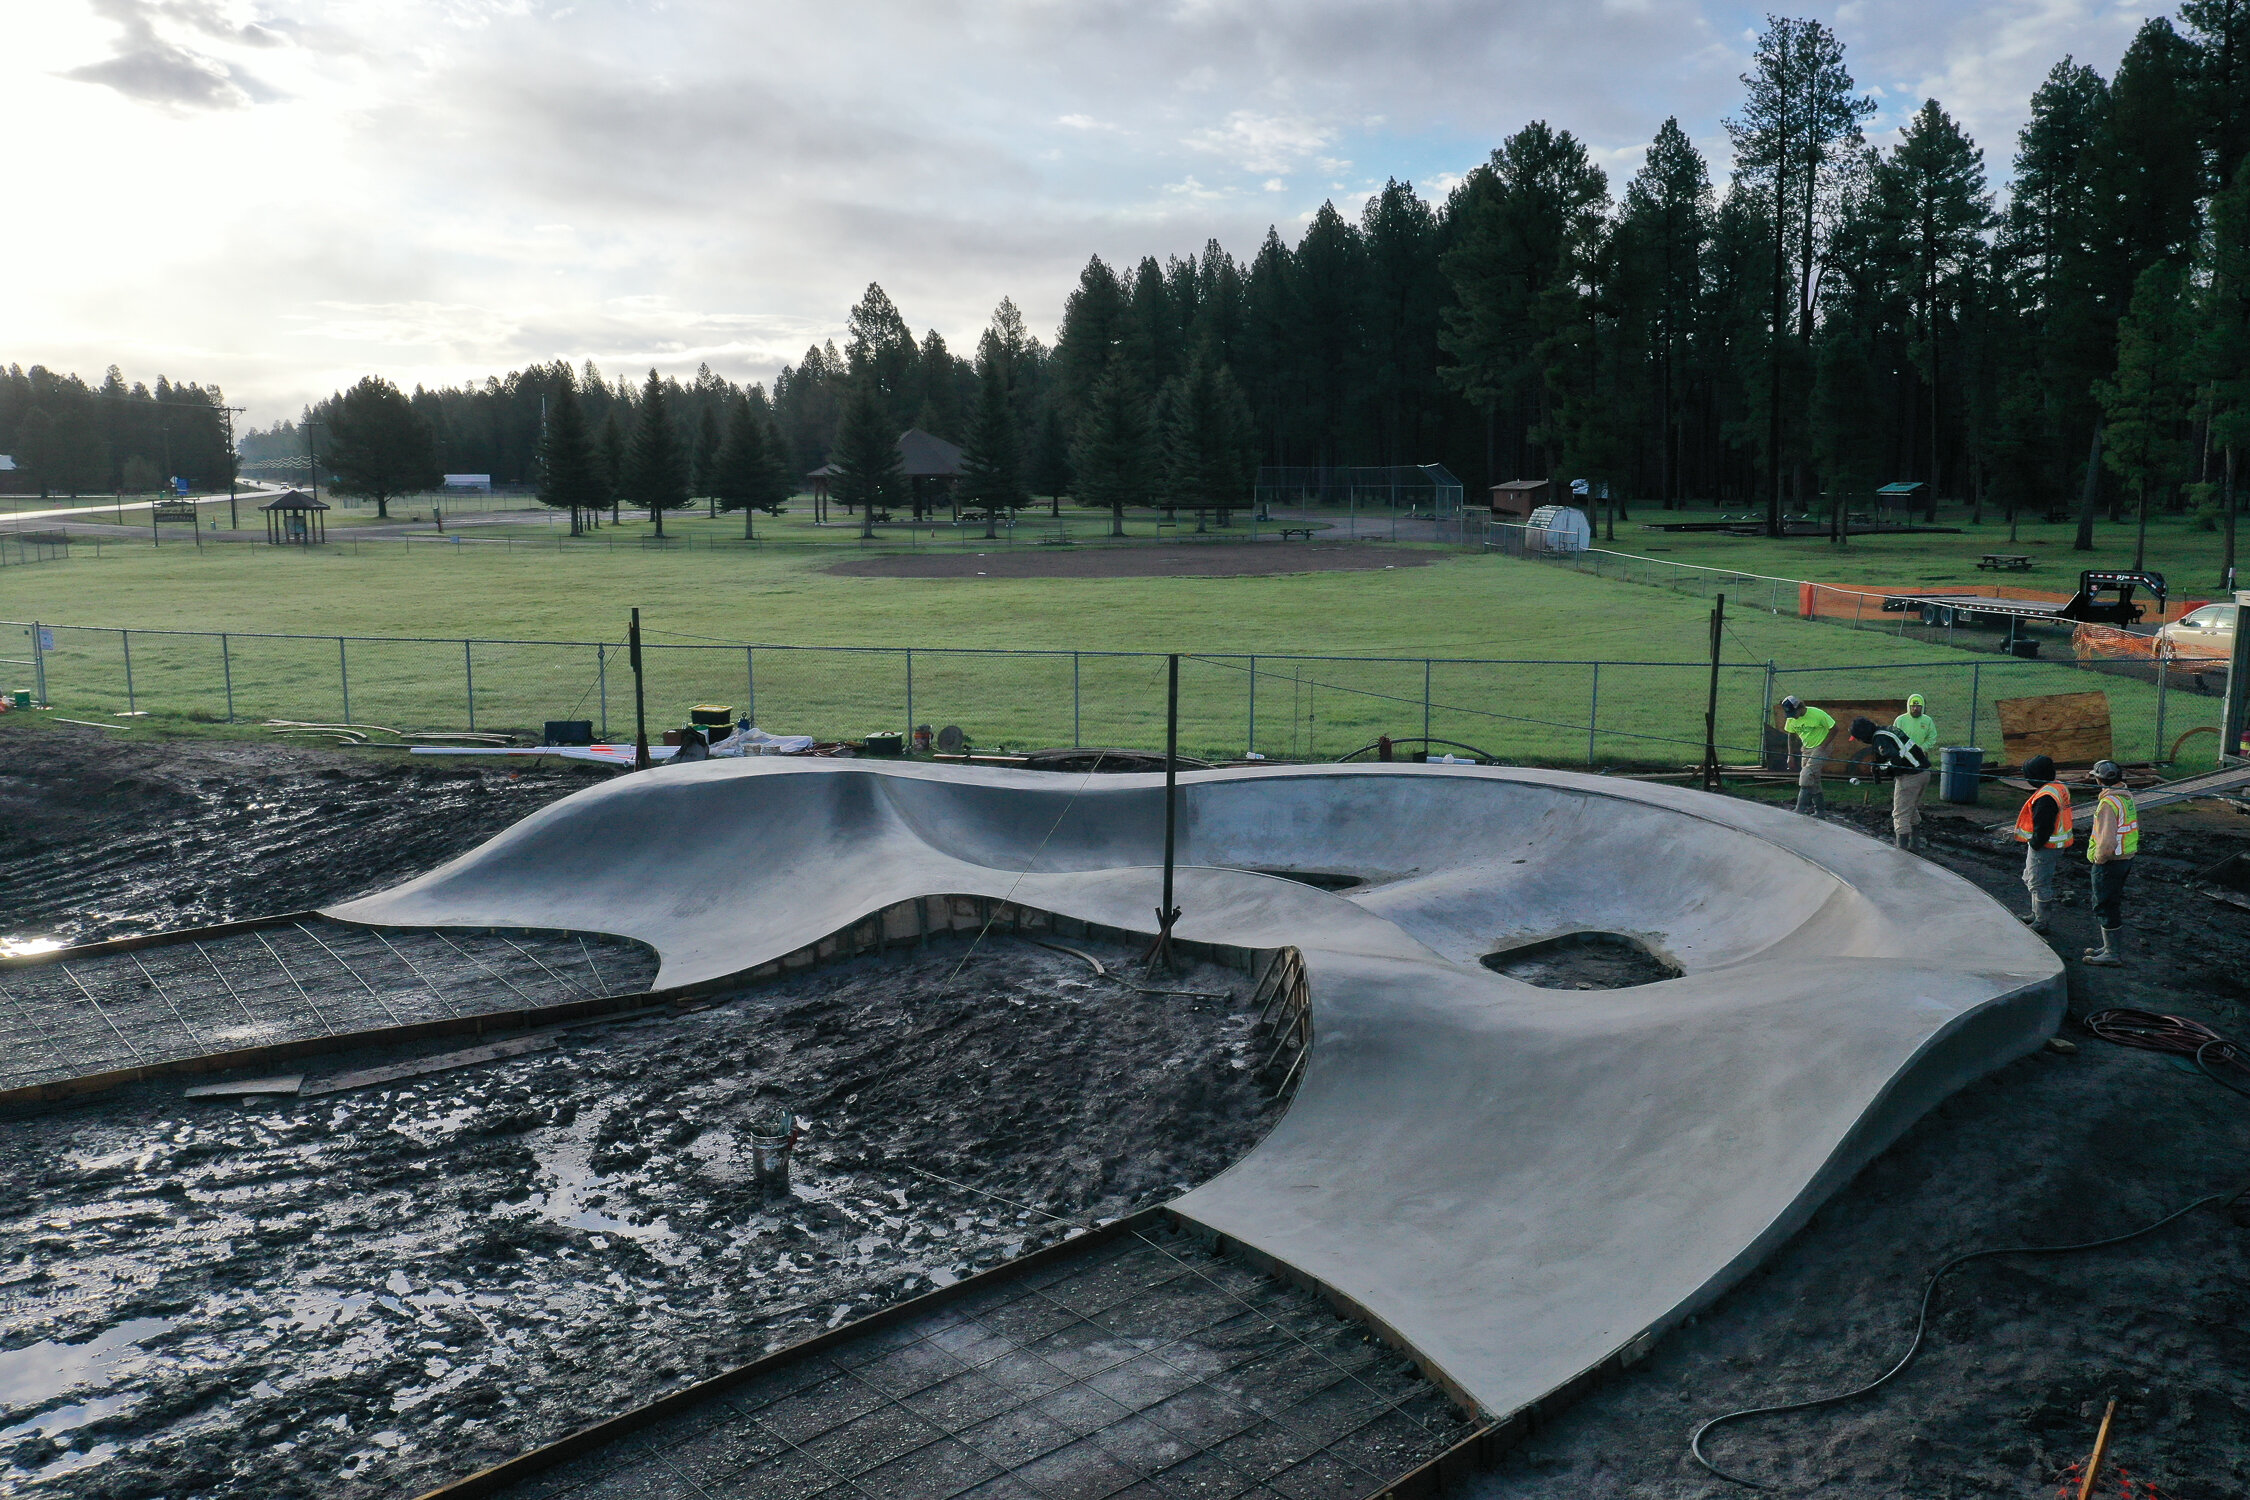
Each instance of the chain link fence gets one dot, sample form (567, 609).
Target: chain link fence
(1282, 707)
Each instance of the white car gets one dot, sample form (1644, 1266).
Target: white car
(2208, 631)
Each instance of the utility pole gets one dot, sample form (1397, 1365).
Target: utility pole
(1711, 704)
(1160, 953)
(641, 761)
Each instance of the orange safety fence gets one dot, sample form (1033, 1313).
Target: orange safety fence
(1861, 603)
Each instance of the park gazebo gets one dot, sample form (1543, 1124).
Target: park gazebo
(929, 462)
(296, 518)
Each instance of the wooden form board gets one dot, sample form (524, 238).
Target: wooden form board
(1840, 746)
(2073, 728)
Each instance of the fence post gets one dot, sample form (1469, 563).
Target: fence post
(1253, 741)
(1425, 706)
(226, 666)
(125, 639)
(1765, 713)
(601, 682)
(910, 695)
(2163, 678)
(469, 679)
(1593, 712)
(344, 678)
(1976, 686)
(750, 680)
(1075, 741)
(39, 660)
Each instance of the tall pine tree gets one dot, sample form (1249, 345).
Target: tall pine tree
(656, 464)
(570, 470)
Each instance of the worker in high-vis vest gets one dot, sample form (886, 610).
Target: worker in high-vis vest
(2110, 848)
(1812, 727)
(1896, 752)
(1907, 788)
(2043, 827)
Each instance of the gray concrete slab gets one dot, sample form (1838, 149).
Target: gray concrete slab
(1517, 1182)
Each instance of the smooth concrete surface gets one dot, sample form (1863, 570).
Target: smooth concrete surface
(1517, 1182)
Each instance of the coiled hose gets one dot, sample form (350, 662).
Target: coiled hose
(2127, 1028)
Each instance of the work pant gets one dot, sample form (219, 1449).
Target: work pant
(2109, 891)
(1906, 802)
(1812, 763)
(2039, 872)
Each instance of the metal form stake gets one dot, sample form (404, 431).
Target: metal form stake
(469, 676)
(1426, 707)
(1593, 714)
(1253, 744)
(601, 681)
(39, 658)
(1711, 703)
(1075, 739)
(750, 680)
(641, 761)
(226, 666)
(1160, 954)
(1976, 687)
(344, 680)
(125, 639)
(910, 695)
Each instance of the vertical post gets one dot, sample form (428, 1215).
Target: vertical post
(344, 678)
(910, 695)
(125, 639)
(1593, 712)
(1765, 712)
(1711, 703)
(469, 679)
(641, 760)
(226, 666)
(1976, 686)
(1160, 956)
(1075, 740)
(1425, 706)
(2163, 675)
(750, 682)
(601, 682)
(39, 660)
(2237, 718)
(1253, 744)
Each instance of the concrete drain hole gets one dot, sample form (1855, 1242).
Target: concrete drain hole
(1583, 961)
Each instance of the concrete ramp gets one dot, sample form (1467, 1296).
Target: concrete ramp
(1517, 1183)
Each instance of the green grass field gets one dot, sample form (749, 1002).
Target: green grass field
(776, 594)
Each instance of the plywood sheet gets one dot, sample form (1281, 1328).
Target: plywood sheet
(1840, 746)
(2073, 728)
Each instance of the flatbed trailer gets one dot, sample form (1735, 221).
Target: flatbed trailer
(2104, 596)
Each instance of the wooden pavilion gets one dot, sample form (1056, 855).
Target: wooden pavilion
(296, 518)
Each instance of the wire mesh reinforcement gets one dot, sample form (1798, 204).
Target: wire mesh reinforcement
(1145, 1360)
(300, 980)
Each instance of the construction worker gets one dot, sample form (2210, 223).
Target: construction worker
(2043, 827)
(1906, 791)
(2110, 848)
(1897, 752)
(1812, 727)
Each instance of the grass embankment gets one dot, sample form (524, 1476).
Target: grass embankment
(778, 595)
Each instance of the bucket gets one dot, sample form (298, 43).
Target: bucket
(22, 697)
(1962, 766)
(773, 1135)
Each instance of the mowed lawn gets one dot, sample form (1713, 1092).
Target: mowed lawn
(702, 607)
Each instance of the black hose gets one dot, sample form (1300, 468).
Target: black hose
(1921, 1328)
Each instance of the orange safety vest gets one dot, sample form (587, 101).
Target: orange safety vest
(2061, 837)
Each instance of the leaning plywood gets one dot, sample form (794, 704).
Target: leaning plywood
(2073, 728)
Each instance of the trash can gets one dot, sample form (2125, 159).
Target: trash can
(1962, 766)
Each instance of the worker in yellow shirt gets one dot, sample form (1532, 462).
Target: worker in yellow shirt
(2110, 849)
(1812, 727)
(1908, 786)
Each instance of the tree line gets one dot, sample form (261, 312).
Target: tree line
(70, 438)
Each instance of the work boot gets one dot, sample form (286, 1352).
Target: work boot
(2111, 954)
(2037, 921)
(1901, 840)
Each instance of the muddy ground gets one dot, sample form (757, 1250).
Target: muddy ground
(1219, 558)
(2023, 1353)
(366, 1294)
(102, 837)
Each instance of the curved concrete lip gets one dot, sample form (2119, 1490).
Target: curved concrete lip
(1517, 1183)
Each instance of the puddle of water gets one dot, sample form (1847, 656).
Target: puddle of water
(567, 1157)
(18, 947)
(41, 1372)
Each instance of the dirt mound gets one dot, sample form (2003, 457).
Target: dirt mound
(1162, 560)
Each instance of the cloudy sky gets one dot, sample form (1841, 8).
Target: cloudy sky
(281, 195)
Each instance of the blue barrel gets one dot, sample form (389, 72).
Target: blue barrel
(1962, 765)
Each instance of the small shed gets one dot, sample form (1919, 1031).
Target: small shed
(1518, 498)
(1907, 495)
(296, 518)
(1560, 528)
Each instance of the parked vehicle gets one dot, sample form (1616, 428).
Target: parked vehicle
(2208, 631)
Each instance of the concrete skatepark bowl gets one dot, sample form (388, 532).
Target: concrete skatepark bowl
(1516, 1185)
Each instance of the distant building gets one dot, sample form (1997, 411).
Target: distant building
(7, 464)
(1518, 498)
(469, 482)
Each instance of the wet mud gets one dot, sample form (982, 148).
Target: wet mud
(369, 1293)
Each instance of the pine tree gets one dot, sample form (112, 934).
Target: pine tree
(1206, 450)
(869, 469)
(2223, 355)
(1050, 459)
(378, 445)
(570, 470)
(992, 459)
(1667, 215)
(1110, 457)
(656, 465)
(2148, 400)
(747, 473)
(705, 456)
(613, 461)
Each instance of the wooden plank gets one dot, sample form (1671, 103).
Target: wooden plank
(337, 1083)
(2073, 728)
(287, 1083)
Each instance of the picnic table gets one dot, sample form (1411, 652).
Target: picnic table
(2004, 562)
(1303, 533)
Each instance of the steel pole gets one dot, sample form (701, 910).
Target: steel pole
(910, 695)
(1711, 703)
(1426, 704)
(601, 683)
(1253, 681)
(1593, 713)
(1076, 740)
(39, 660)
(1160, 957)
(226, 666)
(641, 761)
(750, 681)
(344, 679)
(125, 639)
(469, 679)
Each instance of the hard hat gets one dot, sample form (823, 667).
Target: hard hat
(1792, 705)
(2108, 772)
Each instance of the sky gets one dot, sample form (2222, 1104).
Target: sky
(280, 196)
